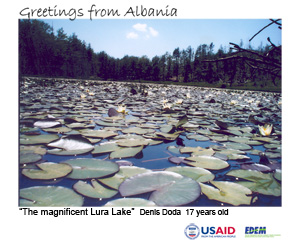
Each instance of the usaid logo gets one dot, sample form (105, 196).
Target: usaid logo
(192, 231)
(249, 230)
(212, 230)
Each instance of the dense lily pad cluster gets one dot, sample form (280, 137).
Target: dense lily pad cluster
(83, 140)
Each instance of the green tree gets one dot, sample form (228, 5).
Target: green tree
(155, 68)
(176, 57)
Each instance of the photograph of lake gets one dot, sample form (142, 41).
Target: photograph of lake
(150, 112)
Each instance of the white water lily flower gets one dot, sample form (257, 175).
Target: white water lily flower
(82, 96)
(91, 93)
(188, 95)
(233, 102)
(167, 105)
(165, 101)
(179, 101)
(266, 129)
(121, 109)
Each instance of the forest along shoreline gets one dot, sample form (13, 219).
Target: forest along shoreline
(45, 53)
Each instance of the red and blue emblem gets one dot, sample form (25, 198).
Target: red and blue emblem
(192, 231)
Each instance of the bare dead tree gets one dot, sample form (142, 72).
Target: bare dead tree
(270, 62)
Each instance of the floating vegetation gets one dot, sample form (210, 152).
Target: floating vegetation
(130, 202)
(87, 168)
(49, 196)
(95, 190)
(168, 188)
(228, 192)
(185, 146)
(48, 171)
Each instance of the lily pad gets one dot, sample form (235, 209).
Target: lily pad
(263, 139)
(49, 196)
(79, 126)
(137, 130)
(277, 174)
(204, 152)
(48, 171)
(46, 124)
(227, 192)
(237, 146)
(190, 149)
(176, 160)
(125, 152)
(39, 139)
(238, 157)
(130, 202)
(72, 142)
(132, 142)
(58, 130)
(62, 152)
(258, 167)
(219, 138)
(124, 173)
(103, 134)
(258, 181)
(110, 124)
(197, 137)
(205, 132)
(174, 149)
(167, 128)
(33, 149)
(93, 191)
(230, 151)
(168, 136)
(272, 146)
(196, 173)
(244, 140)
(27, 158)
(207, 162)
(124, 163)
(88, 168)
(168, 188)
(273, 155)
(105, 148)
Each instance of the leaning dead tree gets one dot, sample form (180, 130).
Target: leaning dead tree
(268, 62)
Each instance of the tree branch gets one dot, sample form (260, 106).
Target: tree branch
(275, 22)
(272, 22)
(267, 60)
(276, 65)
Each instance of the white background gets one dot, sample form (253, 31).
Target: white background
(147, 229)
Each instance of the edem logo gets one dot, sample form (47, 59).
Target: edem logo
(249, 230)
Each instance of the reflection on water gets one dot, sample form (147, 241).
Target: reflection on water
(156, 157)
